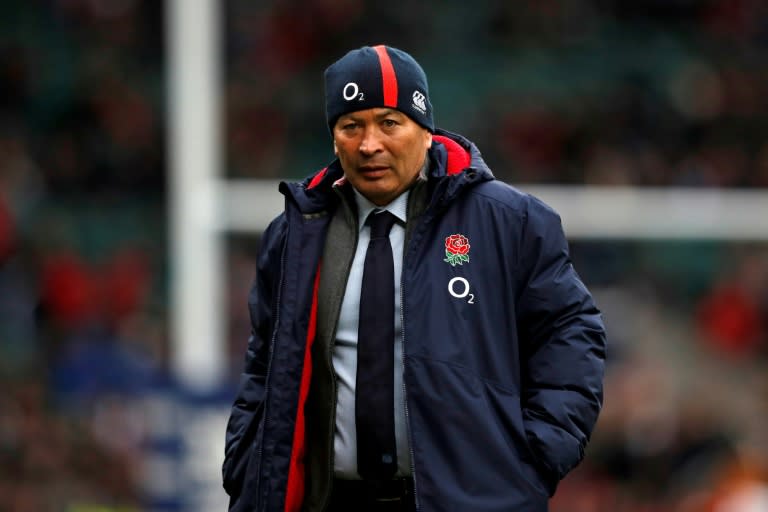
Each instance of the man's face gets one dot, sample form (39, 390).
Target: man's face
(381, 151)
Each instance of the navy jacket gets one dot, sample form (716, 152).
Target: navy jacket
(504, 347)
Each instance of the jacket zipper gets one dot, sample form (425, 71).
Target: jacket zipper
(405, 397)
(272, 344)
(405, 388)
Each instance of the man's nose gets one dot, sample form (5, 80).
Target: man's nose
(371, 142)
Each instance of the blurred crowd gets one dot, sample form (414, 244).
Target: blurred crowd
(686, 397)
(82, 312)
(656, 92)
(648, 93)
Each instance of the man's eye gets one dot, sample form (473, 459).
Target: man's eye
(349, 126)
(389, 123)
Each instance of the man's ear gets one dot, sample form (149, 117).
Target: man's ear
(335, 149)
(428, 139)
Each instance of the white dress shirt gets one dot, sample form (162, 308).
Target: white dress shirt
(345, 348)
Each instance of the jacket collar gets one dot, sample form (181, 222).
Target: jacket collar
(456, 164)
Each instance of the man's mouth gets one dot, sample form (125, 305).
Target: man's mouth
(371, 170)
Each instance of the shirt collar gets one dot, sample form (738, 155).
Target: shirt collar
(398, 207)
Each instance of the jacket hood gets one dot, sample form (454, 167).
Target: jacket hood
(457, 163)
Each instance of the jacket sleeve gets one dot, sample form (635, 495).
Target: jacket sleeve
(563, 347)
(247, 409)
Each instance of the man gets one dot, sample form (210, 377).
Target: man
(420, 338)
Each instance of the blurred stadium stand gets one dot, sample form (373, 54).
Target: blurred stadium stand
(645, 95)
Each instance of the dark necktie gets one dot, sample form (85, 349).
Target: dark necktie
(374, 395)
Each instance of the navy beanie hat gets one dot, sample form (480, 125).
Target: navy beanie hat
(378, 76)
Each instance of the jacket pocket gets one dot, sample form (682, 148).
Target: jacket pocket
(239, 463)
(508, 416)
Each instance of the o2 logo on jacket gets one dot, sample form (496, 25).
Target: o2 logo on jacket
(459, 287)
(457, 253)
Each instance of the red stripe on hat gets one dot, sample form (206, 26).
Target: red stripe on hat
(388, 77)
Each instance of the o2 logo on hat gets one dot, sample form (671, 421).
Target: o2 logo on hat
(419, 101)
(352, 91)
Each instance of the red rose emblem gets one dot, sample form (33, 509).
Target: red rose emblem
(457, 244)
(456, 249)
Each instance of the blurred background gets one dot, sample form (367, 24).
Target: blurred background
(98, 412)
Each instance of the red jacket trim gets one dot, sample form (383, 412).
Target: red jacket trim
(296, 472)
(317, 178)
(458, 157)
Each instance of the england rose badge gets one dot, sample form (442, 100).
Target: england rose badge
(456, 249)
